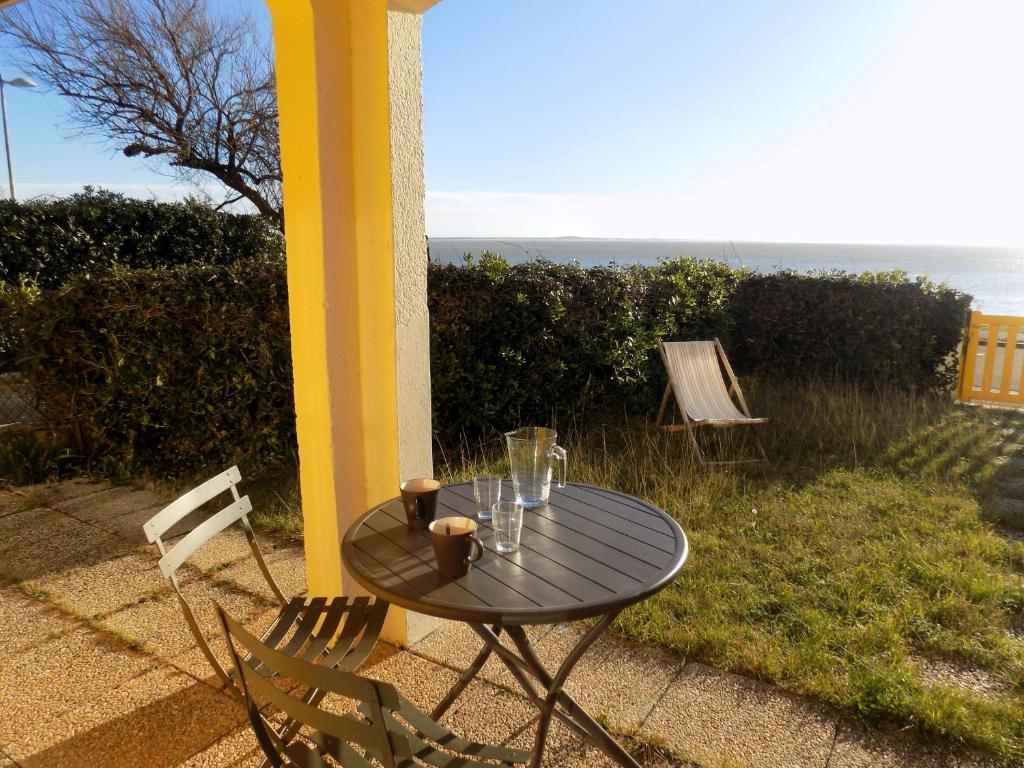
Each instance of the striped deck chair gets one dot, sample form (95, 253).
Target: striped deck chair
(695, 376)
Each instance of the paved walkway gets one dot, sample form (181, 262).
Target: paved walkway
(97, 667)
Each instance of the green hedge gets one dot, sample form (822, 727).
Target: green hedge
(48, 241)
(536, 342)
(185, 368)
(167, 370)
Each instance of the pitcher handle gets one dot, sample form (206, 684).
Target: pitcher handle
(559, 453)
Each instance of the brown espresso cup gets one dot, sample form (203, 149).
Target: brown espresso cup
(419, 497)
(456, 546)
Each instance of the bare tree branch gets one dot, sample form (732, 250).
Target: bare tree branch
(164, 79)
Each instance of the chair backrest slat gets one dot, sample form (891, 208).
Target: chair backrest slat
(189, 502)
(202, 533)
(346, 729)
(335, 731)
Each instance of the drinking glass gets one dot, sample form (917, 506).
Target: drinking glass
(487, 489)
(508, 524)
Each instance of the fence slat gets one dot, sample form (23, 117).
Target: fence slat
(1004, 377)
(970, 357)
(1009, 358)
(991, 345)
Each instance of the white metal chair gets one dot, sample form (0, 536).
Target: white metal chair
(334, 632)
(695, 373)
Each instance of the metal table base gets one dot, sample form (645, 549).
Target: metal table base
(554, 701)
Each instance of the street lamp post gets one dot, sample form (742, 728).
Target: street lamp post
(18, 82)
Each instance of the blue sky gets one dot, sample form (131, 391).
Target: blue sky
(874, 121)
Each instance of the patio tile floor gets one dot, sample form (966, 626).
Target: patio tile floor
(710, 715)
(74, 692)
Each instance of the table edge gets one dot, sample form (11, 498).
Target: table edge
(530, 616)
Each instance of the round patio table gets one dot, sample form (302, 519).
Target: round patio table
(589, 552)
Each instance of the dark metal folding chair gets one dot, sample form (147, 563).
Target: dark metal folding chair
(390, 731)
(329, 632)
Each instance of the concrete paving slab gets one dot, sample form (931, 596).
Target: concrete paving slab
(119, 702)
(108, 586)
(129, 526)
(491, 714)
(860, 748)
(39, 542)
(195, 663)
(110, 503)
(160, 626)
(25, 622)
(19, 499)
(161, 732)
(239, 749)
(55, 493)
(615, 679)
(421, 681)
(286, 564)
(710, 716)
(564, 749)
(455, 645)
(57, 675)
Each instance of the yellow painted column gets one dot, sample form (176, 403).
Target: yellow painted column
(332, 82)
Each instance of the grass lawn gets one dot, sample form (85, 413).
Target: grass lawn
(870, 566)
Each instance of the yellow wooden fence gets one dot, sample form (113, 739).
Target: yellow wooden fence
(993, 364)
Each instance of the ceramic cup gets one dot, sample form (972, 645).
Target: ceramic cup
(456, 546)
(419, 497)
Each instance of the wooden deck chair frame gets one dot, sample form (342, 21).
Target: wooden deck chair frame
(388, 729)
(690, 426)
(309, 629)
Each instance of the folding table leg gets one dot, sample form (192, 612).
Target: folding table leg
(560, 704)
(467, 677)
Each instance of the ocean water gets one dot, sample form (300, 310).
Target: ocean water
(993, 276)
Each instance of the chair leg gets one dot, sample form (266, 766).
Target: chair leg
(759, 444)
(664, 403)
(693, 440)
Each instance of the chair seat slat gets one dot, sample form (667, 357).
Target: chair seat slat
(284, 622)
(306, 626)
(362, 616)
(323, 636)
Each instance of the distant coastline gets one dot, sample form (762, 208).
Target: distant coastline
(993, 276)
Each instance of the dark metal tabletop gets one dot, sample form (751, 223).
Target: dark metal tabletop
(588, 552)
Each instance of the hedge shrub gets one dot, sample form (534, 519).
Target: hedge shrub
(178, 369)
(48, 241)
(533, 342)
(167, 370)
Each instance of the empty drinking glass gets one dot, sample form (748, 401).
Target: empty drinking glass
(487, 489)
(508, 524)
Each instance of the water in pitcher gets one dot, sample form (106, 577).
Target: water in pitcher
(531, 454)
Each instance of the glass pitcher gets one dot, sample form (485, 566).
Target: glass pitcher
(531, 451)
